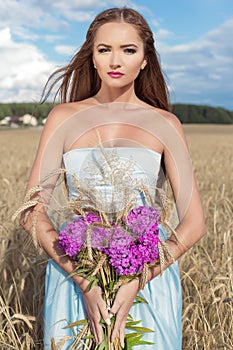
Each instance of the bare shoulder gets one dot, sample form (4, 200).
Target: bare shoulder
(63, 111)
(168, 116)
(172, 119)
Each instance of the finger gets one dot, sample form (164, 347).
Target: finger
(111, 313)
(94, 332)
(119, 333)
(96, 328)
(99, 332)
(105, 314)
(122, 335)
(114, 309)
(119, 323)
(114, 333)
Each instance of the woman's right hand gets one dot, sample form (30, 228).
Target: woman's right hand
(95, 307)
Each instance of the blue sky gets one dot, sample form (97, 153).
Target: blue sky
(193, 38)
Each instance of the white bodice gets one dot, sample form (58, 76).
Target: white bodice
(114, 175)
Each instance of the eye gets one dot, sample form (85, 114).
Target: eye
(130, 51)
(103, 50)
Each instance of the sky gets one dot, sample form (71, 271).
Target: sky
(194, 39)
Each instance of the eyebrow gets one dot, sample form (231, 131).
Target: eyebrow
(122, 46)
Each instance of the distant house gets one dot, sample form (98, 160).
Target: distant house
(28, 119)
(12, 121)
(5, 121)
(16, 121)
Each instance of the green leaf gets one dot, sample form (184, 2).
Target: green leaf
(111, 285)
(132, 323)
(103, 345)
(139, 341)
(81, 270)
(132, 335)
(129, 317)
(127, 346)
(143, 342)
(78, 272)
(141, 329)
(76, 323)
(141, 300)
(103, 323)
(136, 340)
(93, 281)
(89, 337)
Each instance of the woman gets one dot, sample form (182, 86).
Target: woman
(116, 93)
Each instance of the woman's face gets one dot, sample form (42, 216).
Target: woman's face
(118, 54)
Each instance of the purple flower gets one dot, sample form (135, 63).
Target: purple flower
(121, 253)
(128, 255)
(90, 218)
(129, 246)
(100, 237)
(72, 237)
(143, 219)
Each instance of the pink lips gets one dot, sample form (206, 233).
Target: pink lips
(115, 74)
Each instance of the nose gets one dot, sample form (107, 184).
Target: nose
(114, 66)
(114, 61)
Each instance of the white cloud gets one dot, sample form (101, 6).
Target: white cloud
(203, 67)
(5, 36)
(162, 34)
(23, 70)
(25, 13)
(85, 10)
(78, 4)
(78, 16)
(196, 69)
(24, 34)
(65, 50)
(90, 5)
(50, 38)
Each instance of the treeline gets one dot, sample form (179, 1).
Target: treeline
(40, 111)
(187, 113)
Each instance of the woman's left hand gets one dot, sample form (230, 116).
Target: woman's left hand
(123, 301)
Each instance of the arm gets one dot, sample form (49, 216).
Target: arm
(192, 224)
(48, 159)
(190, 229)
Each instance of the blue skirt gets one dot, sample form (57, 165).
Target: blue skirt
(163, 313)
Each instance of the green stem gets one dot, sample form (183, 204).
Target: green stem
(106, 293)
(109, 331)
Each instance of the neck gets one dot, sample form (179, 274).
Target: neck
(125, 94)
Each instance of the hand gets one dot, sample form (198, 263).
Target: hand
(153, 272)
(123, 301)
(96, 309)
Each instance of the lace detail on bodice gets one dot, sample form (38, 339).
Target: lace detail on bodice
(115, 176)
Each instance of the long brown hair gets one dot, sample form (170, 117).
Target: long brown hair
(80, 80)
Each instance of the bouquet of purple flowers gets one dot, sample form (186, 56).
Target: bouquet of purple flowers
(109, 254)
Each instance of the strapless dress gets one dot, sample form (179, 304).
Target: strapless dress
(63, 299)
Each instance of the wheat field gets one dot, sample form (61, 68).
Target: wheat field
(206, 270)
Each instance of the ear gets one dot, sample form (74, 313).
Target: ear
(93, 60)
(144, 63)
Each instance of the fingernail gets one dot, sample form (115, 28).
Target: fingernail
(108, 321)
(111, 314)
